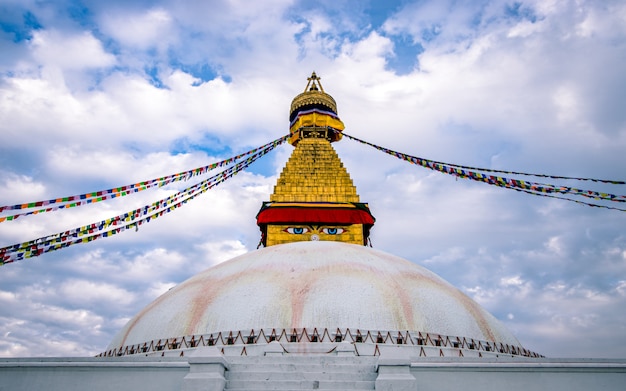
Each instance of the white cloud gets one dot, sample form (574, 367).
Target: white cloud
(554, 245)
(19, 188)
(511, 281)
(143, 29)
(70, 51)
(85, 291)
(220, 252)
(155, 290)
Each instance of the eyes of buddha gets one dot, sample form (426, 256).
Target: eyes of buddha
(297, 230)
(324, 230)
(333, 230)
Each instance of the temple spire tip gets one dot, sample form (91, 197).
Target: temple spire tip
(314, 83)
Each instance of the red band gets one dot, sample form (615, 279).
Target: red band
(314, 215)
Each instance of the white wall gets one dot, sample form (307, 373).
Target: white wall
(168, 373)
(80, 374)
(513, 375)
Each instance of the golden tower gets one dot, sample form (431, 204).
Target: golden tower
(314, 198)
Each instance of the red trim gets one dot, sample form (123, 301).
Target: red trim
(314, 215)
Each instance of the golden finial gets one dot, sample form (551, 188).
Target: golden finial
(313, 95)
(314, 83)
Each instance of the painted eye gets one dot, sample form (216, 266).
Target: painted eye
(333, 230)
(297, 230)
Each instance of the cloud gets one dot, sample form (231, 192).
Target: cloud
(145, 29)
(70, 52)
(21, 187)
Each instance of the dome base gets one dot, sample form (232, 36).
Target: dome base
(325, 341)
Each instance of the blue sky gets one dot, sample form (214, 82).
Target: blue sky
(100, 94)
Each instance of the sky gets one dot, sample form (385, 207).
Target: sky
(97, 94)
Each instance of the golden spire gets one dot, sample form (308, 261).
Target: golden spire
(314, 197)
(314, 173)
(314, 114)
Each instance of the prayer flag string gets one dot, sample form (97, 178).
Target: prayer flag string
(609, 181)
(129, 220)
(121, 191)
(540, 189)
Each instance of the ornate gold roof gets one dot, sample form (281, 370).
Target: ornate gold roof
(313, 95)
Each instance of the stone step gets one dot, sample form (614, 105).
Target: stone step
(295, 359)
(291, 389)
(299, 375)
(299, 385)
(319, 368)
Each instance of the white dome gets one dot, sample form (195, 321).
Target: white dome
(306, 285)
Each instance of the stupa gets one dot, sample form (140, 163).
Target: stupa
(317, 308)
(316, 286)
